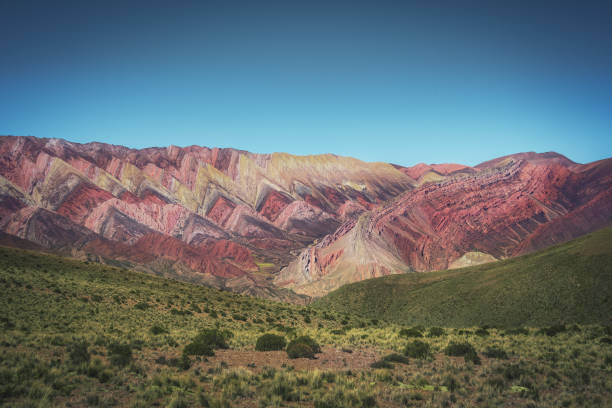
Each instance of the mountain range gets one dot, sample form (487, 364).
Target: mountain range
(283, 226)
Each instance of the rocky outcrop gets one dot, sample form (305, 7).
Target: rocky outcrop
(214, 212)
(499, 209)
(213, 215)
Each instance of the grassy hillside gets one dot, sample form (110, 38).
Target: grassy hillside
(569, 283)
(81, 334)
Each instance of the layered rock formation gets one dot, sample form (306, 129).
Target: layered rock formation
(264, 223)
(202, 214)
(464, 216)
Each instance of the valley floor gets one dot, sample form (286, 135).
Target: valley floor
(78, 334)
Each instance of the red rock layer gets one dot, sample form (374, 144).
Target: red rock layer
(526, 203)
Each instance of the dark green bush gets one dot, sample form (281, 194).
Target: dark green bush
(303, 347)
(156, 329)
(270, 342)
(553, 330)
(78, 352)
(184, 362)
(517, 330)
(435, 332)
(7, 323)
(309, 342)
(496, 352)
(497, 382)
(411, 332)
(299, 350)
(451, 383)
(198, 349)
(473, 357)
(417, 349)
(482, 332)
(462, 349)
(381, 364)
(458, 349)
(513, 372)
(141, 306)
(178, 312)
(396, 358)
(206, 342)
(217, 339)
(120, 354)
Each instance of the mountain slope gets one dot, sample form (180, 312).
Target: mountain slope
(568, 283)
(275, 224)
(215, 212)
(504, 208)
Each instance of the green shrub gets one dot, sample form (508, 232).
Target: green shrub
(513, 372)
(178, 312)
(78, 352)
(381, 364)
(553, 330)
(496, 352)
(472, 357)
(435, 332)
(156, 329)
(217, 339)
(451, 383)
(198, 349)
(120, 354)
(396, 358)
(184, 362)
(300, 350)
(303, 347)
(310, 342)
(206, 342)
(458, 349)
(462, 349)
(141, 306)
(417, 349)
(482, 332)
(410, 332)
(517, 330)
(497, 382)
(270, 342)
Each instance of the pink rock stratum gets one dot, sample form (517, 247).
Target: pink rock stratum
(316, 222)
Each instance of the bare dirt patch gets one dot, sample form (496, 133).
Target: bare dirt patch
(329, 359)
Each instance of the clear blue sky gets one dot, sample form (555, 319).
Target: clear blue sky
(402, 82)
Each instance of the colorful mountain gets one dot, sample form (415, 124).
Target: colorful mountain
(275, 225)
(466, 216)
(205, 215)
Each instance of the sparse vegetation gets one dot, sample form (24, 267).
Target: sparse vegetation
(58, 350)
(561, 284)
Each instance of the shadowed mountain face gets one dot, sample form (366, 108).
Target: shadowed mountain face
(261, 223)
